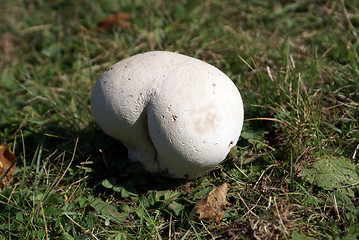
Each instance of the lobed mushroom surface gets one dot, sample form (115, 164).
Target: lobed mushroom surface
(175, 114)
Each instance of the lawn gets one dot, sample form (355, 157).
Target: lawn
(292, 175)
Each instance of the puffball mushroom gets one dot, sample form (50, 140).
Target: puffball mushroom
(175, 114)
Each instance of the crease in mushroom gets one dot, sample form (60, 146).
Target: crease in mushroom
(175, 114)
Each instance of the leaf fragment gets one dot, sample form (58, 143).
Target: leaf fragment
(122, 19)
(107, 211)
(7, 165)
(330, 173)
(6, 44)
(212, 206)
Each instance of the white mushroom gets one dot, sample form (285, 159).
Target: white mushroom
(174, 113)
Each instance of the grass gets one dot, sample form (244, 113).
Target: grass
(295, 64)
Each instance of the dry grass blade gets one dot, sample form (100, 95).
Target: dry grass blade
(355, 152)
(273, 120)
(68, 166)
(82, 228)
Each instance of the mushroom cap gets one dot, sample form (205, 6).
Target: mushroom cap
(174, 113)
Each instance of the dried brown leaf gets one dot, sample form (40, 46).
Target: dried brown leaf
(212, 206)
(7, 158)
(122, 19)
(7, 45)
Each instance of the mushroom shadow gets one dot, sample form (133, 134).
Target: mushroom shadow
(114, 171)
(104, 158)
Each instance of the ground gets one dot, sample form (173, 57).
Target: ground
(292, 175)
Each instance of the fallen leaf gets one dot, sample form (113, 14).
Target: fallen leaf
(7, 158)
(122, 19)
(212, 206)
(6, 44)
